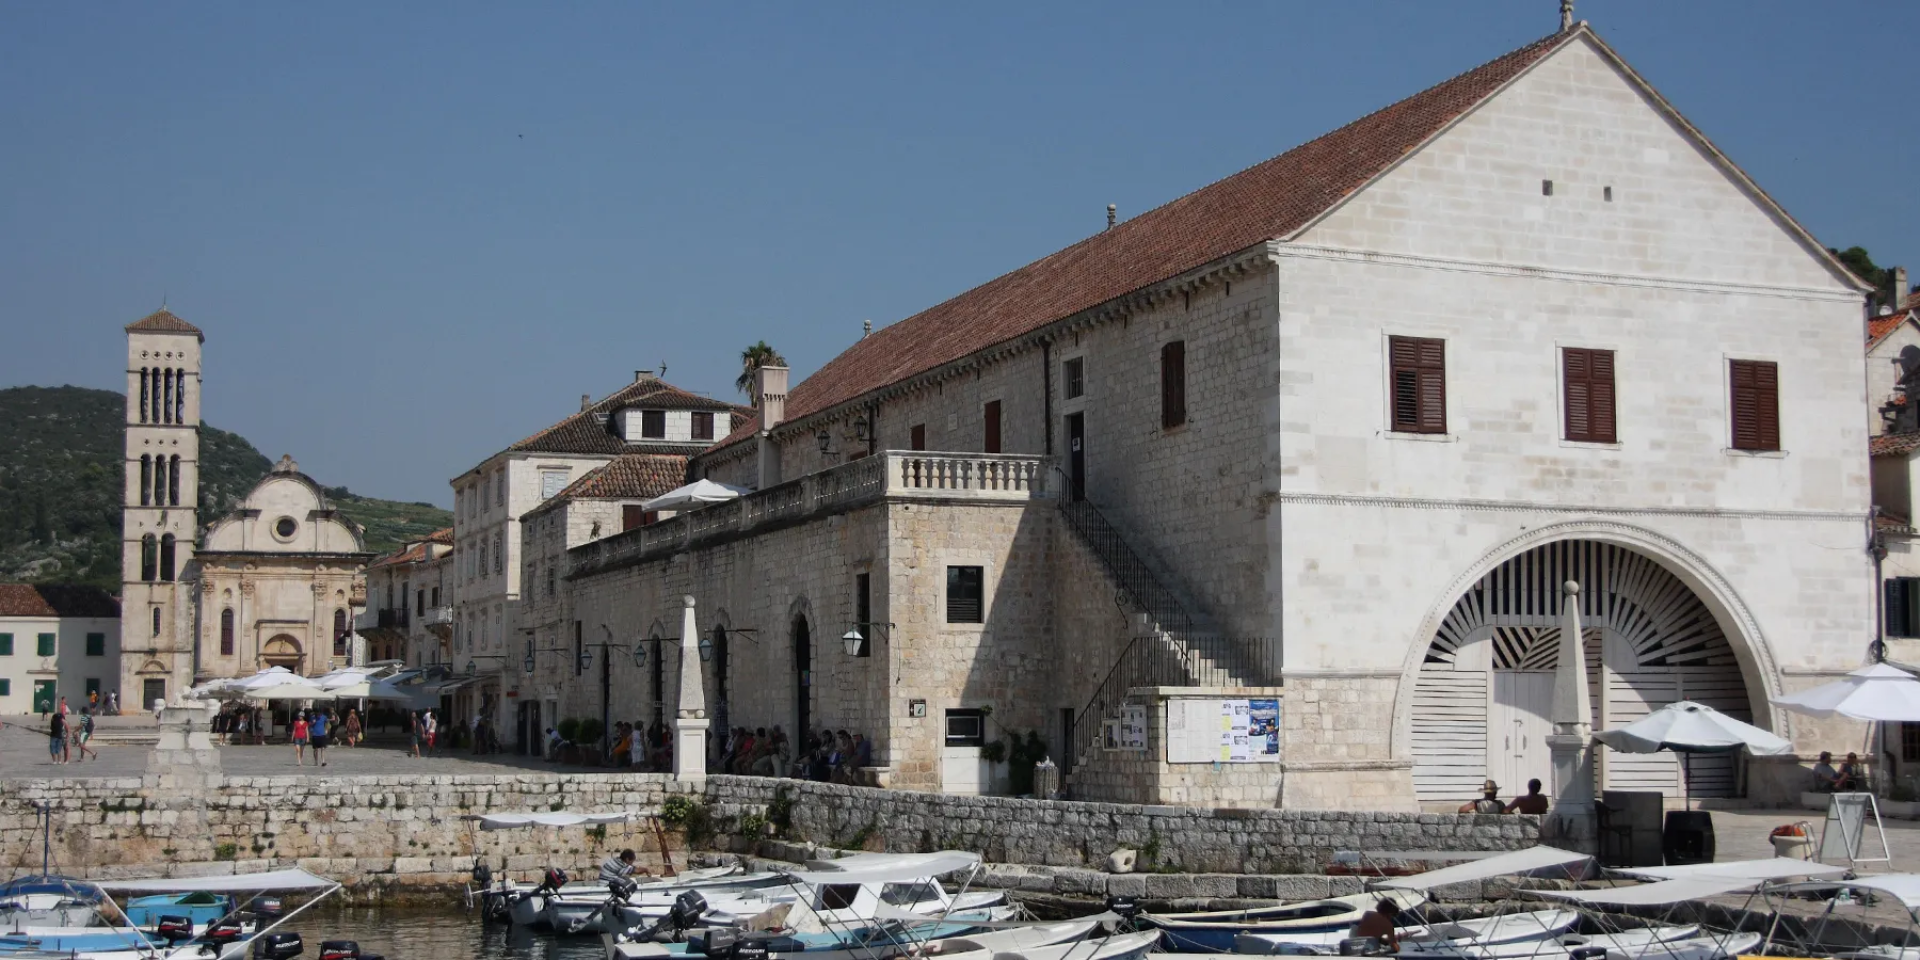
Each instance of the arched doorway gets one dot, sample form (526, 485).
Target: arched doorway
(1484, 690)
(282, 651)
(802, 678)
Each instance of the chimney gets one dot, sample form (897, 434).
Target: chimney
(770, 396)
(1113, 215)
(1897, 286)
(866, 329)
(586, 402)
(641, 376)
(1566, 15)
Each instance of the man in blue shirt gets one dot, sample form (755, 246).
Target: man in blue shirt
(317, 735)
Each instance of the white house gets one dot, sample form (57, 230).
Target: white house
(56, 641)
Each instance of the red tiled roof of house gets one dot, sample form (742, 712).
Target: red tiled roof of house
(442, 535)
(591, 431)
(631, 476)
(1269, 200)
(1878, 327)
(1894, 444)
(164, 321)
(56, 600)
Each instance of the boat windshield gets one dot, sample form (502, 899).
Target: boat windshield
(907, 894)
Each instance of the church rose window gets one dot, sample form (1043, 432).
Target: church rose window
(285, 527)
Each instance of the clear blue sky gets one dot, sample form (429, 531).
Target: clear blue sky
(417, 232)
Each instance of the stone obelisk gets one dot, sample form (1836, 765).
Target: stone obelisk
(690, 720)
(1570, 822)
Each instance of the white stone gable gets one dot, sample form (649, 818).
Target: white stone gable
(1476, 191)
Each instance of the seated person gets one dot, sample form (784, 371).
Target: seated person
(1533, 802)
(1852, 775)
(1825, 778)
(1488, 803)
(1379, 923)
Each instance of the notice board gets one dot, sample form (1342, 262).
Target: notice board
(1223, 731)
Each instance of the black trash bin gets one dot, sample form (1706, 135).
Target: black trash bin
(1688, 837)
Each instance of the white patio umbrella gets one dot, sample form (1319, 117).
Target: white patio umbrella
(1874, 692)
(296, 689)
(1688, 728)
(693, 494)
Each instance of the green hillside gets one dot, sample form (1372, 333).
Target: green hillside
(60, 482)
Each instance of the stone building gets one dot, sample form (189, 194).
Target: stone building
(647, 416)
(280, 576)
(409, 616)
(1322, 438)
(56, 641)
(160, 506)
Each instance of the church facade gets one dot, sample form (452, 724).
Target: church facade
(272, 583)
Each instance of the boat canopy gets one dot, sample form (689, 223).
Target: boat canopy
(1904, 887)
(1506, 864)
(46, 883)
(1661, 893)
(514, 821)
(895, 869)
(225, 883)
(1778, 868)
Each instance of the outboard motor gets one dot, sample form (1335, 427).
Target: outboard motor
(748, 948)
(620, 889)
(1363, 947)
(1126, 908)
(717, 942)
(551, 881)
(223, 932)
(339, 950)
(482, 874)
(686, 911)
(278, 946)
(174, 929)
(266, 908)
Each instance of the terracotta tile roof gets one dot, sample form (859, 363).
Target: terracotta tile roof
(1270, 200)
(56, 600)
(587, 433)
(412, 553)
(1894, 444)
(164, 321)
(1878, 327)
(442, 535)
(631, 476)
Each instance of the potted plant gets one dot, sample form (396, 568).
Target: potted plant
(588, 733)
(569, 730)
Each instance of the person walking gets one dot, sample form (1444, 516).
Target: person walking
(413, 735)
(63, 706)
(317, 733)
(429, 727)
(300, 730)
(113, 703)
(84, 733)
(57, 737)
(352, 727)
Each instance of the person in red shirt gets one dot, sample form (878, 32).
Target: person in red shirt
(299, 739)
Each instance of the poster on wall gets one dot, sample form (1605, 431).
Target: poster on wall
(1223, 731)
(1133, 727)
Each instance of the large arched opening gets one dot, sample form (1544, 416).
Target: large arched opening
(1659, 627)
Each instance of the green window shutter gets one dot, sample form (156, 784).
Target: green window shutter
(6, 687)
(46, 645)
(96, 644)
(6, 644)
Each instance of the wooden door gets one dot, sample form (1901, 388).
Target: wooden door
(1076, 457)
(1517, 743)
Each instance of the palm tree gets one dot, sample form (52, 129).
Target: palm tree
(753, 358)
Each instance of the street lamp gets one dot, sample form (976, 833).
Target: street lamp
(855, 640)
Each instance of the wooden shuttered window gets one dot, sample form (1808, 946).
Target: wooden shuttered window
(1173, 384)
(1587, 378)
(631, 516)
(703, 425)
(992, 415)
(1755, 388)
(1419, 371)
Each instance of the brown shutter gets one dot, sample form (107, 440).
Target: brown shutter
(1173, 384)
(993, 426)
(1418, 368)
(1588, 378)
(631, 516)
(1755, 389)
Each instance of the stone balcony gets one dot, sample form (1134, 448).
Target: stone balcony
(890, 475)
(437, 617)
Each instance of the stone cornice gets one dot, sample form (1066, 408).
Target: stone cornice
(1583, 509)
(1310, 251)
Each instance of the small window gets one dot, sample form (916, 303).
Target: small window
(436, 596)
(1173, 384)
(1606, 194)
(499, 553)
(703, 425)
(838, 896)
(966, 728)
(965, 589)
(1755, 404)
(1075, 374)
(420, 603)
(1587, 379)
(45, 645)
(500, 488)
(156, 621)
(284, 527)
(1546, 188)
(1903, 606)
(653, 424)
(1419, 381)
(96, 644)
(226, 632)
(6, 644)
(552, 482)
(1909, 742)
(6, 687)
(917, 437)
(863, 611)
(992, 427)
(631, 516)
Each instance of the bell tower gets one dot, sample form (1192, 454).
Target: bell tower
(159, 509)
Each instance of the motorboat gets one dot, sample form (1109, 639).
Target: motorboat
(525, 905)
(1214, 931)
(1124, 946)
(254, 931)
(598, 909)
(47, 900)
(1480, 931)
(200, 907)
(1620, 944)
(882, 939)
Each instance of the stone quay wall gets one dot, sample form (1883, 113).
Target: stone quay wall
(1067, 834)
(376, 832)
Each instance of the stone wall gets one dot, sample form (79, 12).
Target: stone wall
(1056, 833)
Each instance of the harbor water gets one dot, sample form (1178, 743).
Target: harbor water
(435, 933)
